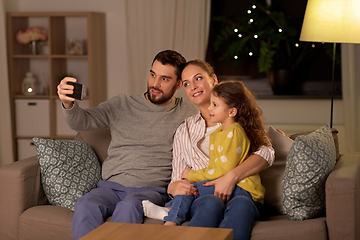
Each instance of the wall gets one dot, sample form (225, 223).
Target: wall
(6, 153)
(289, 115)
(303, 115)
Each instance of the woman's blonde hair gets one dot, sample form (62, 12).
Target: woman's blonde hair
(204, 65)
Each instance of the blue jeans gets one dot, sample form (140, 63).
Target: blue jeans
(181, 204)
(113, 199)
(238, 214)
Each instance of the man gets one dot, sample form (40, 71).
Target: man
(138, 166)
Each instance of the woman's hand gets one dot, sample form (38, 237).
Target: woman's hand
(185, 174)
(224, 186)
(181, 187)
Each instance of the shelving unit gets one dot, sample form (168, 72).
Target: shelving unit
(40, 115)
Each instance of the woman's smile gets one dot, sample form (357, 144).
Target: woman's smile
(197, 94)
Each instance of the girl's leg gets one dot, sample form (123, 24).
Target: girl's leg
(239, 214)
(154, 211)
(206, 211)
(180, 208)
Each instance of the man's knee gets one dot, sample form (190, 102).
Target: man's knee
(85, 202)
(130, 203)
(95, 200)
(129, 210)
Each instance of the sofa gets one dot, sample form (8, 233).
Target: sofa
(25, 212)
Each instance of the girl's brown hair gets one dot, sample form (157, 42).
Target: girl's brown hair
(249, 115)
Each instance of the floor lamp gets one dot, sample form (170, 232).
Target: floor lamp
(332, 21)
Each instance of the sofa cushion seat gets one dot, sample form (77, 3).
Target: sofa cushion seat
(57, 222)
(54, 220)
(282, 227)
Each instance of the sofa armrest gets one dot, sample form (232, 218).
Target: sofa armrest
(343, 198)
(20, 189)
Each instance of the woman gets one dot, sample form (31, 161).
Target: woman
(191, 149)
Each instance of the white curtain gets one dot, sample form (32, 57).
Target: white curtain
(350, 58)
(153, 26)
(6, 153)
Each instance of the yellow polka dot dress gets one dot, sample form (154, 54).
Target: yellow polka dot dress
(228, 149)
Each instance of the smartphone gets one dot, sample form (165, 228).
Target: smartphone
(78, 91)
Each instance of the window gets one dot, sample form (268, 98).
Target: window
(311, 78)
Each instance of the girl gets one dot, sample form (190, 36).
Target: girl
(231, 105)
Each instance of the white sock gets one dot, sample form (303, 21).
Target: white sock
(154, 211)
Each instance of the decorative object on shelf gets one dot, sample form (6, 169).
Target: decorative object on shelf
(44, 82)
(32, 35)
(29, 84)
(76, 46)
(34, 47)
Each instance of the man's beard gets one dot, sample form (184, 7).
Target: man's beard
(164, 97)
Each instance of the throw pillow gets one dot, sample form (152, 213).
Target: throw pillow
(310, 161)
(335, 136)
(271, 177)
(69, 169)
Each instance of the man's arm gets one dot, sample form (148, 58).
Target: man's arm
(84, 119)
(63, 88)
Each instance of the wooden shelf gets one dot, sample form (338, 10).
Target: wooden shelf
(49, 66)
(30, 56)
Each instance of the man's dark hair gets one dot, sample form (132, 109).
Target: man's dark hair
(172, 58)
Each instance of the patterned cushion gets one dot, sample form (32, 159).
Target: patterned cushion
(69, 169)
(310, 161)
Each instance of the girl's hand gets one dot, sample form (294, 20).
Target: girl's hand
(181, 187)
(224, 186)
(185, 174)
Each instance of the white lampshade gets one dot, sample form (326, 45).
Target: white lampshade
(335, 21)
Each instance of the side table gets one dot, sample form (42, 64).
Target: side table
(119, 231)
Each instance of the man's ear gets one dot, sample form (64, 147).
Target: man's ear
(179, 84)
(232, 112)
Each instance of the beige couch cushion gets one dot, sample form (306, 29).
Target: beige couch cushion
(55, 220)
(282, 228)
(271, 177)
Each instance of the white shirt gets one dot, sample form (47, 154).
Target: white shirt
(204, 143)
(186, 151)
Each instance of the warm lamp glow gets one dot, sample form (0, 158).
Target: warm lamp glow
(335, 21)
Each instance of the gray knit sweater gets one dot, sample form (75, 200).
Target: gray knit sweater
(140, 151)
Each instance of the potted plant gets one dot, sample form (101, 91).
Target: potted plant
(264, 33)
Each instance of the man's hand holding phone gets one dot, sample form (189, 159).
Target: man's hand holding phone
(68, 91)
